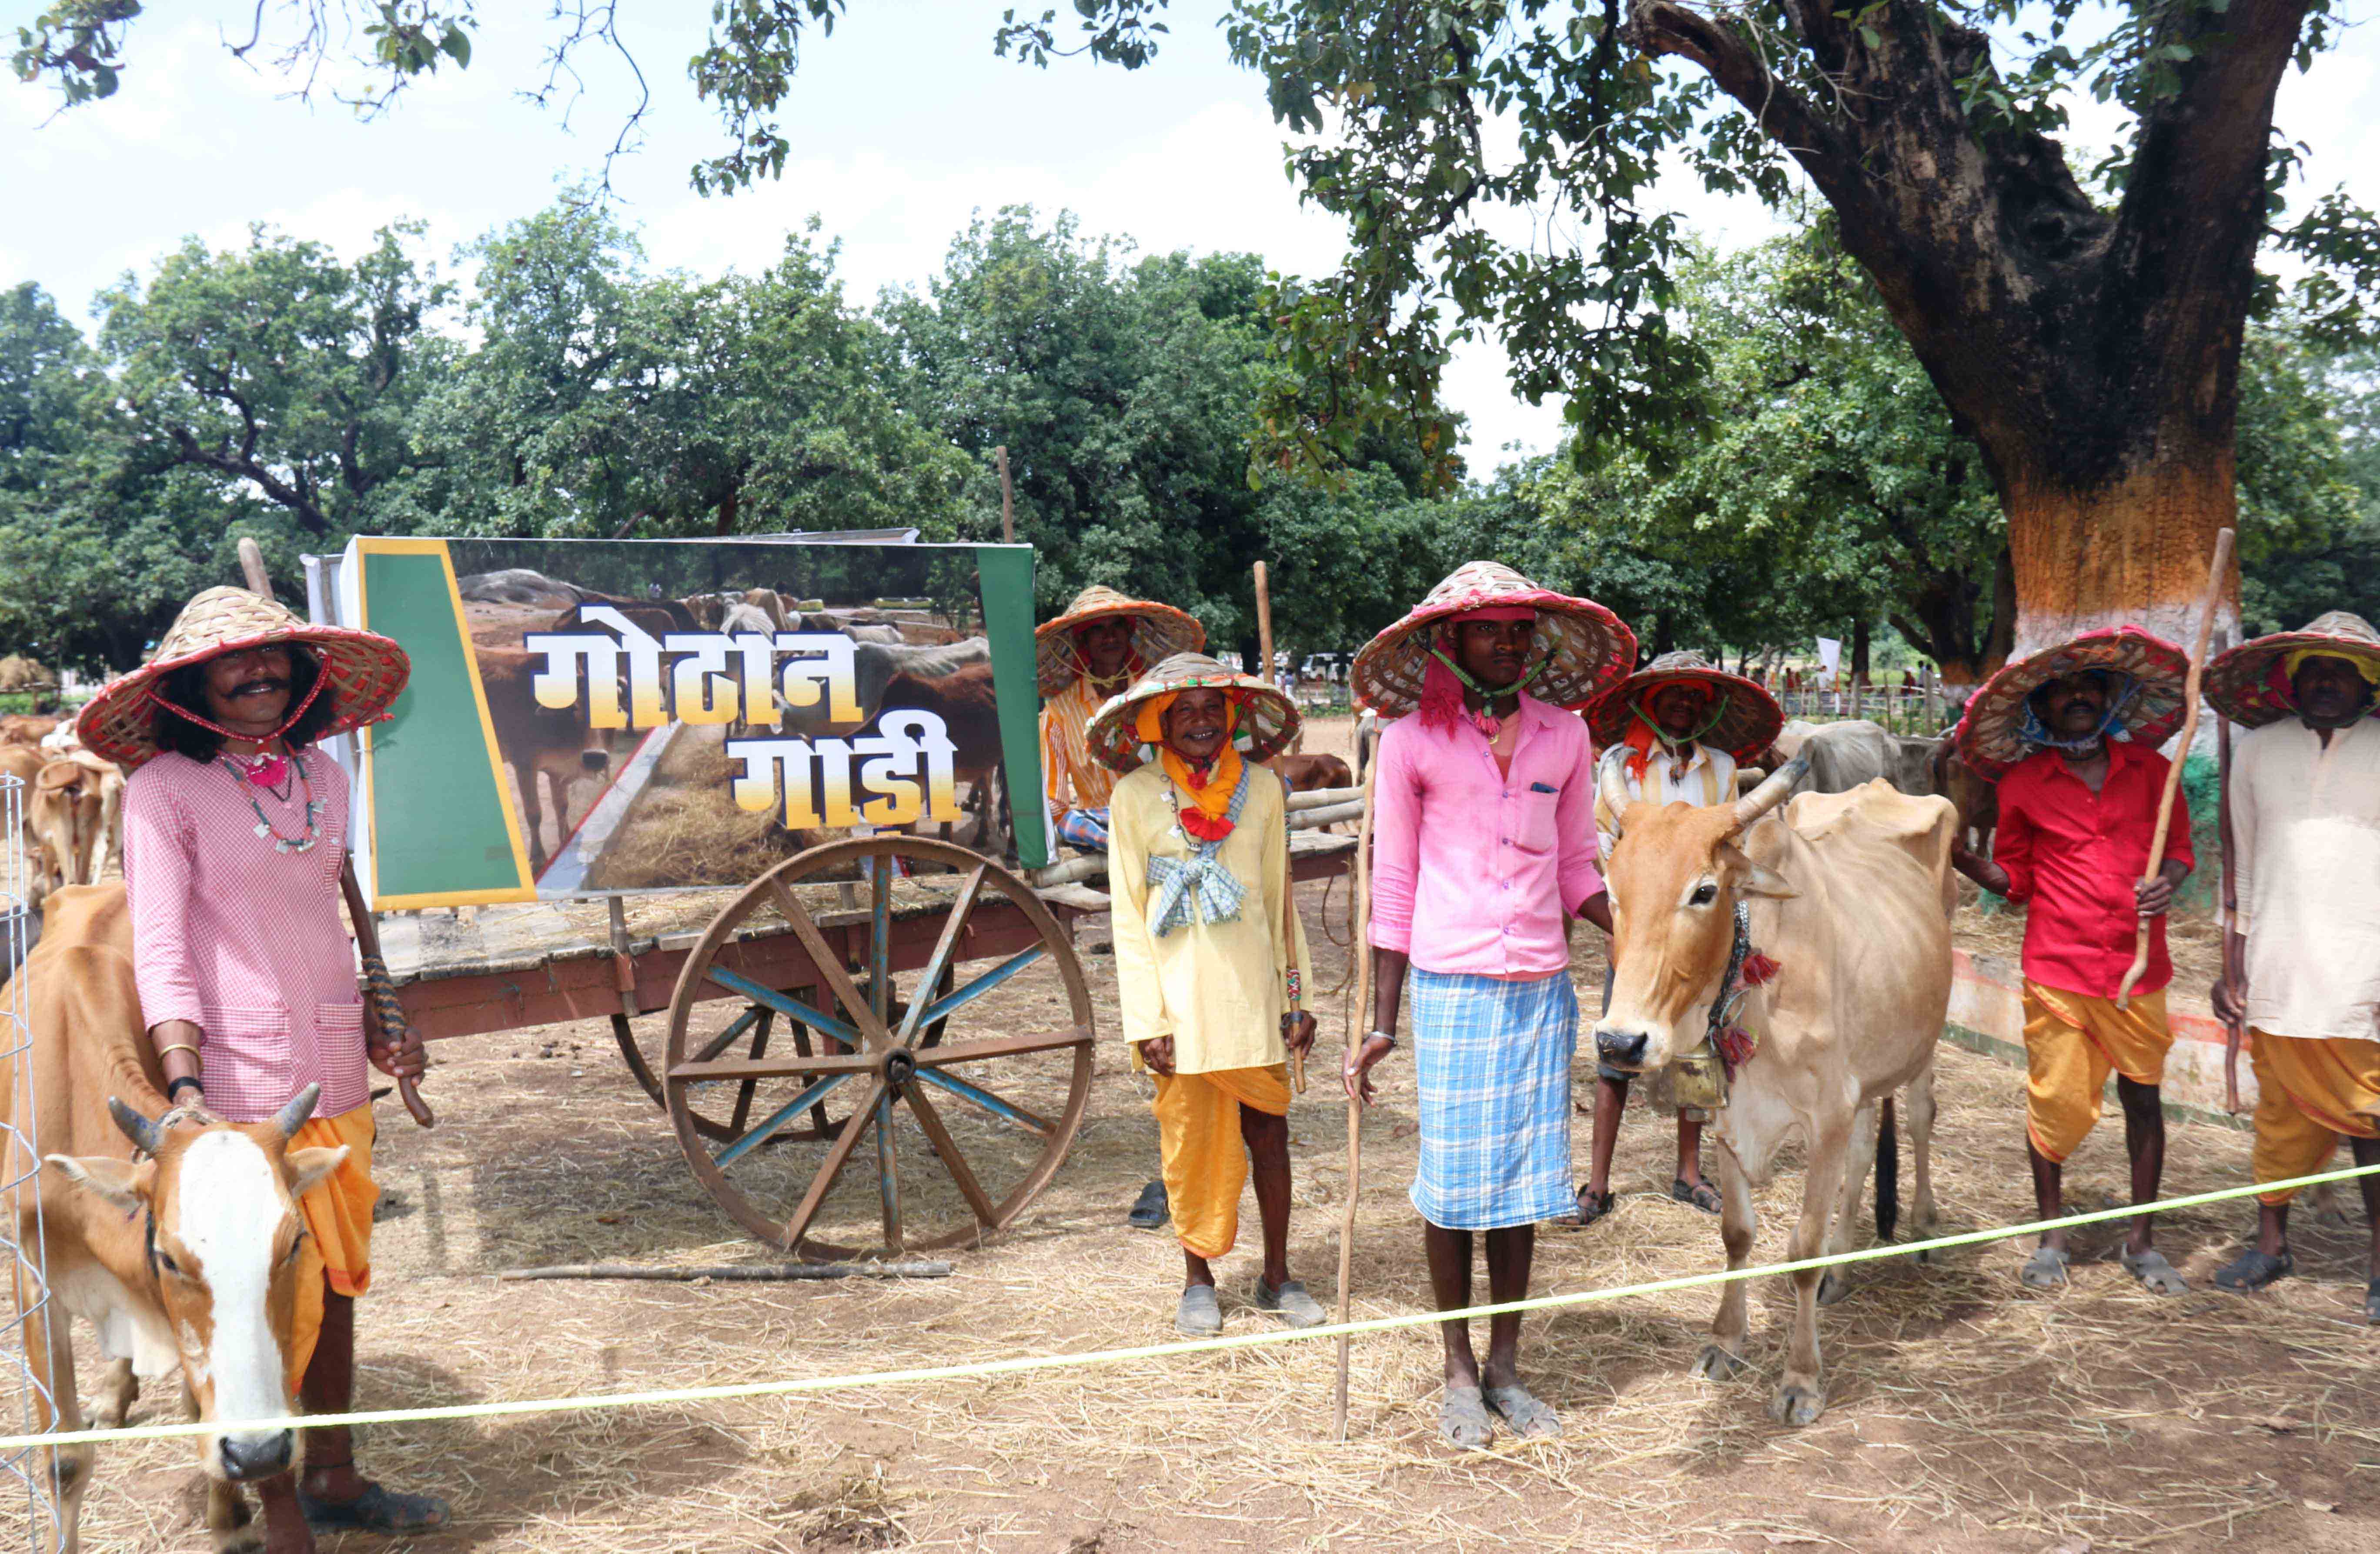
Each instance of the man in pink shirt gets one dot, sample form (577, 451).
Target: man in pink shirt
(1485, 830)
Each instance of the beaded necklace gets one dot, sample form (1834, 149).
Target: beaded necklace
(264, 772)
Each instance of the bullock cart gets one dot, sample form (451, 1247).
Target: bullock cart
(872, 1039)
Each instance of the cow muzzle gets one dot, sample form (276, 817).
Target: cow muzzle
(595, 759)
(256, 1453)
(1621, 1047)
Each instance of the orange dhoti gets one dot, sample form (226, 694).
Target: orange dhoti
(2071, 1043)
(338, 1215)
(2312, 1093)
(1206, 1163)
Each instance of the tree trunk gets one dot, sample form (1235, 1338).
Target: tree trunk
(728, 506)
(1859, 651)
(2135, 550)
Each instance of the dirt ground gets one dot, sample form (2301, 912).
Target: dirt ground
(1966, 1413)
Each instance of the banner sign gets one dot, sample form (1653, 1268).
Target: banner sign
(587, 717)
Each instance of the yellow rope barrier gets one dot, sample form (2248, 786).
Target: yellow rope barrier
(975, 1368)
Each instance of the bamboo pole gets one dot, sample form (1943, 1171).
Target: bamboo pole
(2207, 608)
(2235, 1030)
(1359, 1025)
(1007, 497)
(1263, 625)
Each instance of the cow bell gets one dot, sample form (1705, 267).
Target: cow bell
(1698, 1084)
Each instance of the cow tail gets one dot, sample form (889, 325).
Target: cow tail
(1888, 1173)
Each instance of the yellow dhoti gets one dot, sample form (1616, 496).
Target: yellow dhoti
(1206, 1164)
(2071, 1042)
(2310, 1094)
(338, 1215)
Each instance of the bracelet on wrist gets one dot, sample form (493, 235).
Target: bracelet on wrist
(173, 1086)
(1388, 1035)
(172, 1047)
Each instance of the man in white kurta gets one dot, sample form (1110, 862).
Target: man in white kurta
(2306, 821)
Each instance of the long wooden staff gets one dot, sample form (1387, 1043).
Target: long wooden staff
(2206, 607)
(1359, 1025)
(1289, 937)
(378, 988)
(2235, 1030)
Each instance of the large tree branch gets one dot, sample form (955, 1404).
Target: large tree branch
(1665, 27)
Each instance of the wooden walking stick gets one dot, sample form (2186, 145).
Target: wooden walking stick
(1289, 938)
(1359, 1025)
(2235, 1029)
(2206, 607)
(380, 991)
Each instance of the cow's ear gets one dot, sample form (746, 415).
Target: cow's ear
(119, 1182)
(308, 1167)
(1751, 878)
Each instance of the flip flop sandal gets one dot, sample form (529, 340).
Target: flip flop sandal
(2045, 1269)
(2254, 1269)
(2156, 1276)
(1463, 1419)
(1523, 1410)
(1702, 1195)
(377, 1511)
(1591, 1207)
(1150, 1210)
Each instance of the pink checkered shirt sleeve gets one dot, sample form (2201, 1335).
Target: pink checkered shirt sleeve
(160, 850)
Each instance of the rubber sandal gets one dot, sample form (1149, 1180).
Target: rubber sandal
(2254, 1269)
(1702, 1195)
(1463, 1419)
(1590, 1207)
(1524, 1412)
(377, 1511)
(2045, 1269)
(1200, 1315)
(1150, 1210)
(2156, 1276)
(1290, 1301)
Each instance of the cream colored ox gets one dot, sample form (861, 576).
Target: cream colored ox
(1851, 894)
(78, 811)
(177, 1245)
(24, 763)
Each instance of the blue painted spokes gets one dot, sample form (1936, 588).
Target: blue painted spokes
(789, 1006)
(768, 1126)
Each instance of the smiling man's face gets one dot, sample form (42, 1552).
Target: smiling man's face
(2329, 692)
(249, 690)
(1198, 724)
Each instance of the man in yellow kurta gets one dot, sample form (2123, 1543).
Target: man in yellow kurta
(2306, 821)
(1208, 950)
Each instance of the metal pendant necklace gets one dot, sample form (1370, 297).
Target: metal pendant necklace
(267, 771)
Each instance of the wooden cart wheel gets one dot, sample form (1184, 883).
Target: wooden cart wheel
(768, 1130)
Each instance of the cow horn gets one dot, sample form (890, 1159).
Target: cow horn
(1771, 793)
(292, 1117)
(145, 1134)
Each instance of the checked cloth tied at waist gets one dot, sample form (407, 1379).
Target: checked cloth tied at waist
(1198, 885)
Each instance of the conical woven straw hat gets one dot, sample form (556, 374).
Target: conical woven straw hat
(1748, 723)
(1158, 631)
(2250, 684)
(1269, 720)
(1587, 649)
(1989, 736)
(365, 672)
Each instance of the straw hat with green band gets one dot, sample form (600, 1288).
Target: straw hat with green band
(1744, 719)
(361, 673)
(1579, 651)
(1268, 720)
(1158, 631)
(2250, 684)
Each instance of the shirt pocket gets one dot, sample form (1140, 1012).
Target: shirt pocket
(1535, 830)
(246, 1057)
(340, 1029)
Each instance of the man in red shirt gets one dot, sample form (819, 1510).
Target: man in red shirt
(2076, 816)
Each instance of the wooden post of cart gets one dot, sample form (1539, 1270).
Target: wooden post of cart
(1007, 496)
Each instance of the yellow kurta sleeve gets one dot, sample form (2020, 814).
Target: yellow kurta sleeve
(1134, 822)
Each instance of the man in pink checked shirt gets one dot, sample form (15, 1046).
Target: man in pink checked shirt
(1485, 830)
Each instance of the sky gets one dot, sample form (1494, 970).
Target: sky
(902, 125)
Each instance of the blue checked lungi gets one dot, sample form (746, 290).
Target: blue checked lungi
(1087, 829)
(1491, 1065)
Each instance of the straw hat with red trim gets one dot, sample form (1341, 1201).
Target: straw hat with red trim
(1158, 631)
(1268, 719)
(1584, 648)
(1991, 735)
(1748, 716)
(364, 672)
(2250, 684)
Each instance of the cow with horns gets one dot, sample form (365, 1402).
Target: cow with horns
(175, 1240)
(1839, 904)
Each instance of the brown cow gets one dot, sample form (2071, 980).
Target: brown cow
(1850, 896)
(78, 811)
(1307, 773)
(20, 728)
(24, 763)
(963, 699)
(1977, 796)
(537, 742)
(179, 1260)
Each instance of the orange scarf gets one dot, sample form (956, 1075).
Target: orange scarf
(1209, 791)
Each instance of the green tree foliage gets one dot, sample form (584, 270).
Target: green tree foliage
(2309, 481)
